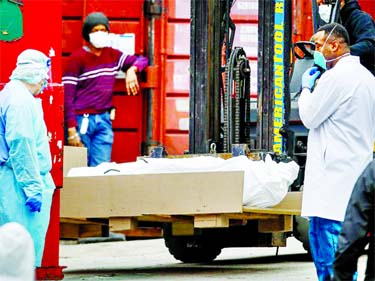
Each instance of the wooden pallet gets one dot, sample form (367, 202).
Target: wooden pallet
(187, 200)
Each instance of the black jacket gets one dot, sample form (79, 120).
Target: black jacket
(358, 228)
(361, 29)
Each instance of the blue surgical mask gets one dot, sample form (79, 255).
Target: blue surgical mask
(319, 59)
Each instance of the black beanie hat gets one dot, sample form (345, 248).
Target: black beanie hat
(91, 21)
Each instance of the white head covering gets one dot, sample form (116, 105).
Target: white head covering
(16, 253)
(32, 67)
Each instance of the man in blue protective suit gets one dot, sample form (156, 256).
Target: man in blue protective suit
(26, 185)
(339, 112)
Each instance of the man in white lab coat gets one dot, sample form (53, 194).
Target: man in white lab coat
(340, 115)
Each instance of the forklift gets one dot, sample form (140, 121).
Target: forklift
(223, 116)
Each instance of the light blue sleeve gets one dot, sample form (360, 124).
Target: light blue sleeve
(20, 137)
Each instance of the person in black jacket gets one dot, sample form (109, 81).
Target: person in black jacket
(357, 229)
(361, 29)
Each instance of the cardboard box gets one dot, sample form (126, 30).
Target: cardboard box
(158, 194)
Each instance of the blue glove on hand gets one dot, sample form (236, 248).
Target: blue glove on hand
(34, 202)
(309, 77)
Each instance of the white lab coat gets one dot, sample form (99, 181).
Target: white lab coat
(340, 114)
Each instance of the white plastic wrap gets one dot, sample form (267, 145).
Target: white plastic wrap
(266, 182)
(16, 253)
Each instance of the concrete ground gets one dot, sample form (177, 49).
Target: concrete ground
(150, 260)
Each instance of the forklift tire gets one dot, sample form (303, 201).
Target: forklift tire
(190, 249)
(301, 231)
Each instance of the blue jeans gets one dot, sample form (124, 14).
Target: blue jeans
(98, 139)
(323, 236)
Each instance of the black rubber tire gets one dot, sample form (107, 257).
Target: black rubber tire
(191, 249)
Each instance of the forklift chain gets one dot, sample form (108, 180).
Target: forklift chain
(236, 100)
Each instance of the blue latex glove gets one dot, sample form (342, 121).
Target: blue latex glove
(34, 202)
(309, 77)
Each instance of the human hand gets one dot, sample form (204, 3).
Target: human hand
(131, 80)
(34, 202)
(73, 137)
(309, 77)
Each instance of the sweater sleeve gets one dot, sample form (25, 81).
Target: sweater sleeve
(139, 61)
(70, 82)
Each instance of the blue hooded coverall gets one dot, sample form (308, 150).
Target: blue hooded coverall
(25, 162)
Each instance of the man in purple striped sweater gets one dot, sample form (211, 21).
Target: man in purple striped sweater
(88, 81)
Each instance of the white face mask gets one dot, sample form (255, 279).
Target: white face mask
(99, 39)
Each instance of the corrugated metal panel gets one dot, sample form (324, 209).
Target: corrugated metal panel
(175, 142)
(128, 109)
(112, 8)
(246, 10)
(245, 15)
(178, 38)
(178, 9)
(128, 147)
(116, 8)
(176, 108)
(177, 76)
(247, 37)
(32, 23)
(71, 39)
(368, 6)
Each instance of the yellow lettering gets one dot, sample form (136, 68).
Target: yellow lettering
(278, 100)
(279, 70)
(279, 26)
(279, 36)
(279, 7)
(278, 59)
(278, 112)
(278, 49)
(278, 95)
(277, 148)
(277, 137)
(279, 82)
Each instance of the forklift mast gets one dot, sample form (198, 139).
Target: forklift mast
(205, 63)
(211, 27)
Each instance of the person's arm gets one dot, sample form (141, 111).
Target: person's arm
(133, 65)
(70, 81)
